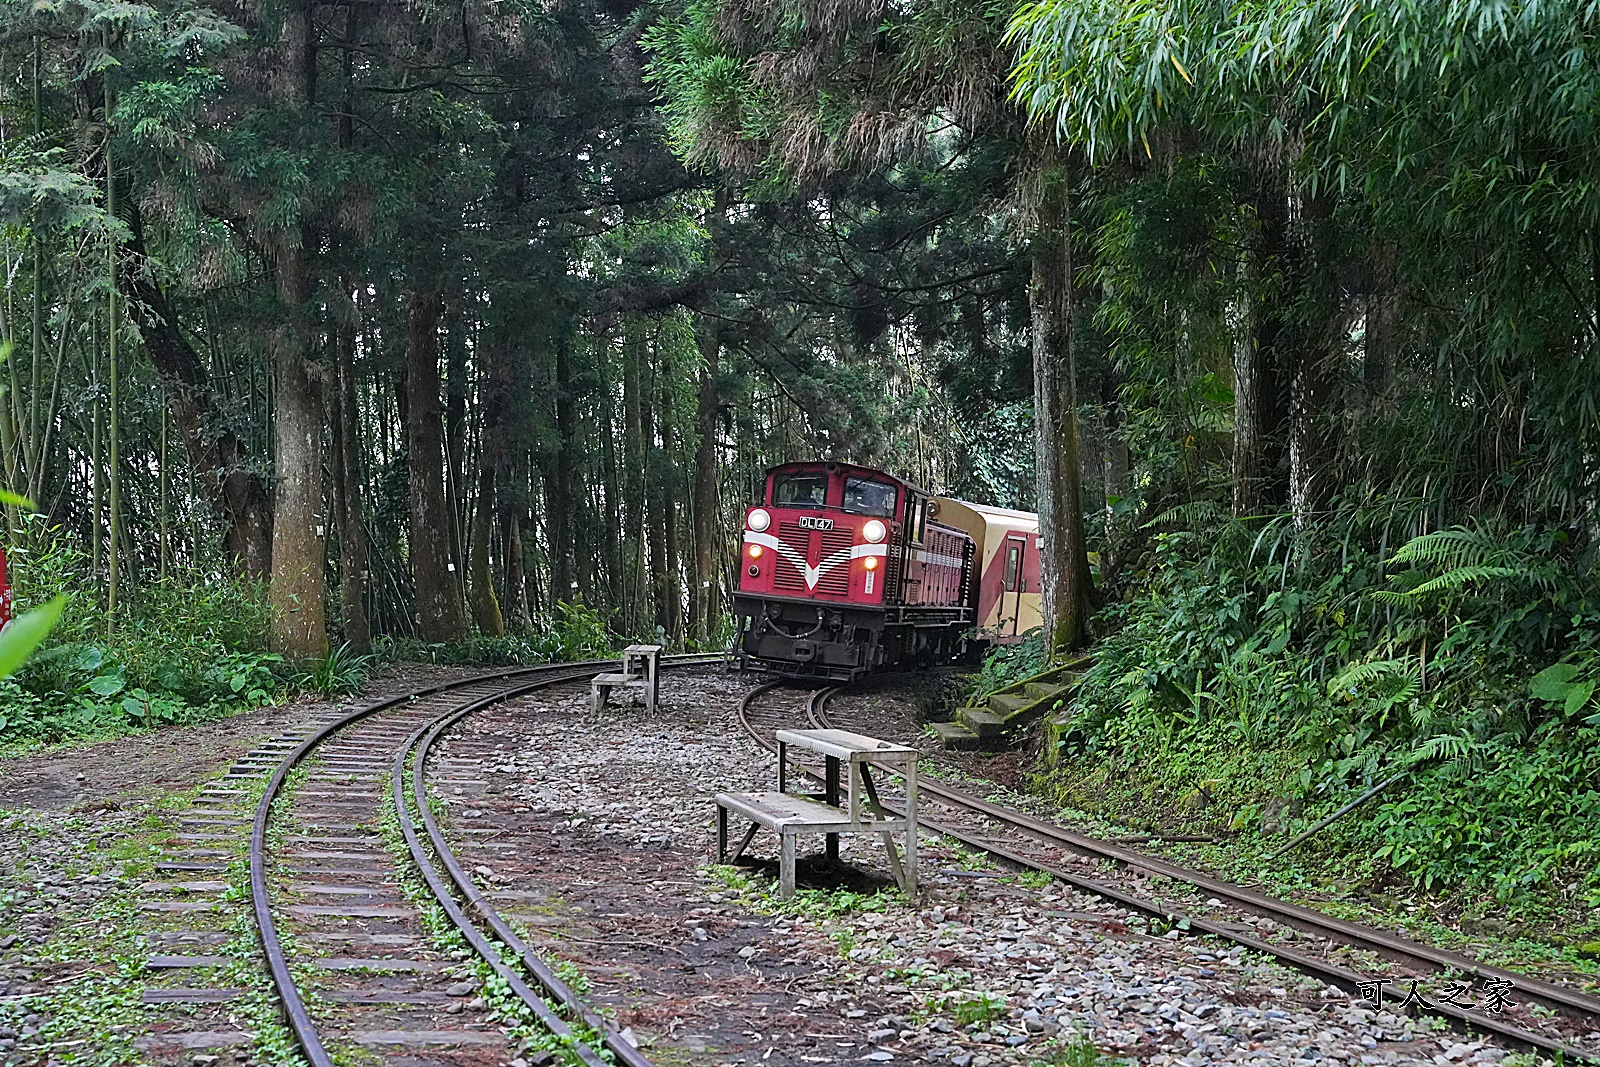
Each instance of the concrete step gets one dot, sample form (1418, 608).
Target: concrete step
(1043, 690)
(981, 721)
(1007, 705)
(954, 736)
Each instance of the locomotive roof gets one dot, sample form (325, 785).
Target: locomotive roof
(855, 468)
(1003, 516)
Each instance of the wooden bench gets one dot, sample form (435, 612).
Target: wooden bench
(791, 814)
(640, 674)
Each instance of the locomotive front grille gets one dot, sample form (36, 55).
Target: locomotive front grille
(786, 577)
(835, 582)
(891, 575)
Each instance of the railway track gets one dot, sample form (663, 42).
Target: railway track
(1539, 1015)
(339, 936)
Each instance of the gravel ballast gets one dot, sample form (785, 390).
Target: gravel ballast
(991, 967)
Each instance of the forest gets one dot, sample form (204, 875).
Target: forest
(348, 330)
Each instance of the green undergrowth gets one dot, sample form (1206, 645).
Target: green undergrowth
(575, 631)
(193, 647)
(817, 905)
(185, 649)
(1008, 664)
(1261, 677)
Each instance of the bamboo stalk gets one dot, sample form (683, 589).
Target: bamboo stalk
(114, 539)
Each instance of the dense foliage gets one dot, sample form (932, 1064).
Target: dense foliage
(1263, 676)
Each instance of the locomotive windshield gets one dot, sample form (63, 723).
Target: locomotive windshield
(869, 497)
(805, 490)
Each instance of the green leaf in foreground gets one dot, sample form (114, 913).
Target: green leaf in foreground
(25, 633)
(1554, 683)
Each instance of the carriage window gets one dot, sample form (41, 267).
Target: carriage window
(1013, 561)
(869, 497)
(918, 517)
(804, 490)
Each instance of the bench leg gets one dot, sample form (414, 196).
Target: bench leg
(894, 861)
(830, 789)
(722, 834)
(786, 868)
(911, 862)
(744, 843)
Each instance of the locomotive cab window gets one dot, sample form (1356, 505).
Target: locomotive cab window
(869, 497)
(801, 490)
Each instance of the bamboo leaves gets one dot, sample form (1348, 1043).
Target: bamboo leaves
(26, 632)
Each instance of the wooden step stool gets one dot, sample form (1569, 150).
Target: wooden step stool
(641, 674)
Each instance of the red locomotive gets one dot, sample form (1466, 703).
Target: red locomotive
(845, 569)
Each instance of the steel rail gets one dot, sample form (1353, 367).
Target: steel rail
(1327, 926)
(424, 736)
(294, 1006)
(1349, 980)
(418, 748)
(1309, 920)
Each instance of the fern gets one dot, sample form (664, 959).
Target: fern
(1190, 513)
(1459, 546)
(1460, 577)
(1383, 675)
(1452, 747)
(1468, 557)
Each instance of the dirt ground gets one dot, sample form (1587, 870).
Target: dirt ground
(126, 771)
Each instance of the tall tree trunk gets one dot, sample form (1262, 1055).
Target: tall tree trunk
(516, 588)
(457, 453)
(217, 455)
(560, 502)
(1316, 298)
(1062, 542)
(438, 599)
(348, 470)
(485, 605)
(492, 458)
(608, 498)
(634, 464)
(1382, 320)
(1114, 458)
(299, 629)
(655, 496)
(671, 486)
(707, 580)
(114, 388)
(1261, 388)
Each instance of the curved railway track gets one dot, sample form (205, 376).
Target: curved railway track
(1326, 947)
(348, 763)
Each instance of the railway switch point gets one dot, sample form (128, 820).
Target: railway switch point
(848, 803)
(640, 675)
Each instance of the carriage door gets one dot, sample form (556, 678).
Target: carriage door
(1016, 556)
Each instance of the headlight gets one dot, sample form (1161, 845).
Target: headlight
(759, 520)
(874, 531)
(871, 563)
